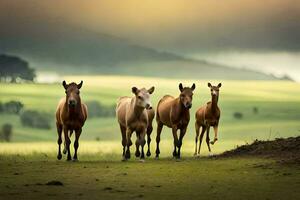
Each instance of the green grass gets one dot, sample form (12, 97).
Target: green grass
(99, 176)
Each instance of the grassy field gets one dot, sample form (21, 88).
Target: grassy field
(99, 176)
(277, 102)
(29, 161)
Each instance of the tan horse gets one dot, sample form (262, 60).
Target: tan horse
(207, 116)
(71, 115)
(132, 117)
(174, 113)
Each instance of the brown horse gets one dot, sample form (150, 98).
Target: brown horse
(174, 113)
(132, 117)
(207, 116)
(71, 114)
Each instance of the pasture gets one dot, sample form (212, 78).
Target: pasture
(29, 162)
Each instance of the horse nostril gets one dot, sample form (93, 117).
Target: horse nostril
(150, 107)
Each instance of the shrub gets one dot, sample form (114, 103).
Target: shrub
(11, 107)
(238, 115)
(35, 119)
(255, 110)
(96, 109)
(6, 132)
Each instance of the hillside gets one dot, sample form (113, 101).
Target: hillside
(71, 50)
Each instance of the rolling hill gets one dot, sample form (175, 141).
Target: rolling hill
(66, 49)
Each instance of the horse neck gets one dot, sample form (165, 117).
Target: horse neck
(137, 110)
(214, 103)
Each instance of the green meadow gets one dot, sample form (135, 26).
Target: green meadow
(277, 103)
(29, 162)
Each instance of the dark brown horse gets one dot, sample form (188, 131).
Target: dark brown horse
(174, 113)
(207, 116)
(71, 114)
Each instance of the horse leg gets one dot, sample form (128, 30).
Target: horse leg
(149, 131)
(142, 142)
(68, 142)
(128, 143)
(159, 129)
(201, 138)
(76, 143)
(216, 134)
(182, 133)
(123, 132)
(65, 148)
(207, 139)
(59, 140)
(197, 127)
(137, 145)
(175, 137)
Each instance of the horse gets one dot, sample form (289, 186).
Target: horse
(132, 117)
(71, 115)
(174, 113)
(207, 116)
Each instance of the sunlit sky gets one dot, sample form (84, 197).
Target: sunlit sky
(237, 32)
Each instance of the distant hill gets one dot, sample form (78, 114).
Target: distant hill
(69, 50)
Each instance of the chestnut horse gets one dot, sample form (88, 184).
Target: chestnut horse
(174, 113)
(207, 116)
(132, 117)
(71, 115)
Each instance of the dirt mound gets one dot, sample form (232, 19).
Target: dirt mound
(285, 149)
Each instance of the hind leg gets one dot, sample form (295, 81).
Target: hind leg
(203, 129)
(76, 143)
(59, 140)
(65, 148)
(149, 131)
(159, 129)
(197, 127)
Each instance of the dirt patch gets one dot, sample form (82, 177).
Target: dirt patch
(56, 183)
(285, 150)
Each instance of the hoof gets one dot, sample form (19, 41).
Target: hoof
(174, 154)
(148, 154)
(75, 160)
(64, 151)
(137, 154)
(127, 155)
(210, 154)
(157, 157)
(59, 156)
(142, 160)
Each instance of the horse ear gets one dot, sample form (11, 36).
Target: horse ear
(151, 90)
(65, 84)
(80, 85)
(209, 85)
(193, 86)
(220, 84)
(180, 87)
(134, 90)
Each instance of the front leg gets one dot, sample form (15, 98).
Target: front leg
(216, 134)
(67, 142)
(182, 133)
(76, 142)
(142, 142)
(175, 137)
(128, 143)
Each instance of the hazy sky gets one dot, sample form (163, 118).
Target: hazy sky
(212, 28)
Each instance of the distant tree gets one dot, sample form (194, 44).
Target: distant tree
(6, 132)
(97, 109)
(13, 68)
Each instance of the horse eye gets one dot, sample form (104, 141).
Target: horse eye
(139, 97)
(66, 91)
